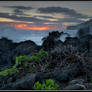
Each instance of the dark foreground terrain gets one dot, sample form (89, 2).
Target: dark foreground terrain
(64, 65)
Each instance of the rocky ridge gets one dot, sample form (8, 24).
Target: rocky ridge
(67, 62)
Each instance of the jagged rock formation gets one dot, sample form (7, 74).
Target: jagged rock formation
(6, 47)
(9, 50)
(25, 48)
(67, 61)
(51, 40)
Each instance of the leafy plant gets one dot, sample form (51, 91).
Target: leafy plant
(39, 55)
(31, 69)
(22, 60)
(46, 65)
(19, 60)
(48, 85)
(8, 71)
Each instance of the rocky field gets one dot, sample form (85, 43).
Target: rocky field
(55, 65)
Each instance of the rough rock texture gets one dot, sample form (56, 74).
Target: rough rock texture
(75, 87)
(25, 48)
(68, 72)
(6, 47)
(51, 41)
(73, 65)
(24, 83)
(9, 51)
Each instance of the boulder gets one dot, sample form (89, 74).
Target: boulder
(25, 48)
(6, 47)
(24, 83)
(67, 72)
(51, 40)
(85, 43)
(74, 41)
(75, 87)
(76, 81)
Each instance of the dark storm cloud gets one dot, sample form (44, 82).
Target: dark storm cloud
(37, 20)
(46, 17)
(70, 20)
(62, 10)
(22, 18)
(20, 7)
(18, 12)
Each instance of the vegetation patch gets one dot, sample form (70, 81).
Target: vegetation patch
(9, 71)
(47, 85)
(42, 54)
(23, 61)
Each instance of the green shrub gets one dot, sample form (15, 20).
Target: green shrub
(39, 55)
(9, 71)
(35, 58)
(46, 65)
(31, 69)
(19, 60)
(48, 85)
(22, 60)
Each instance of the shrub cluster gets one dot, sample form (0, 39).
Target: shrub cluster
(47, 85)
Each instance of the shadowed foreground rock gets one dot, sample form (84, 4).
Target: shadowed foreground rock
(75, 87)
(24, 83)
(68, 72)
(65, 62)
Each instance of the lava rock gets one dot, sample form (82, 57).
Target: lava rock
(68, 72)
(6, 47)
(75, 87)
(25, 48)
(23, 83)
(75, 81)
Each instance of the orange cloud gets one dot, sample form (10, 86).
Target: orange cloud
(35, 27)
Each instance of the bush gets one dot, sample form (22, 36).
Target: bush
(9, 71)
(48, 85)
(19, 61)
(42, 54)
(22, 60)
(31, 69)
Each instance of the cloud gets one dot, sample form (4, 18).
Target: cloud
(67, 11)
(19, 10)
(22, 18)
(70, 20)
(20, 7)
(47, 17)
(41, 19)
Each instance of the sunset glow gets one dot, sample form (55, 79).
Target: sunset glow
(34, 27)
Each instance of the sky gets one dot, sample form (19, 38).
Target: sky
(32, 20)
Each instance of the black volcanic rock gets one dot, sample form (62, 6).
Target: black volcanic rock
(68, 72)
(64, 62)
(9, 51)
(72, 41)
(25, 48)
(75, 87)
(85, 42)
(6, 47)
(24, 83)
(83, 32)
(51, 40)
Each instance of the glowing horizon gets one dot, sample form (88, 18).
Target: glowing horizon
(34, 27)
